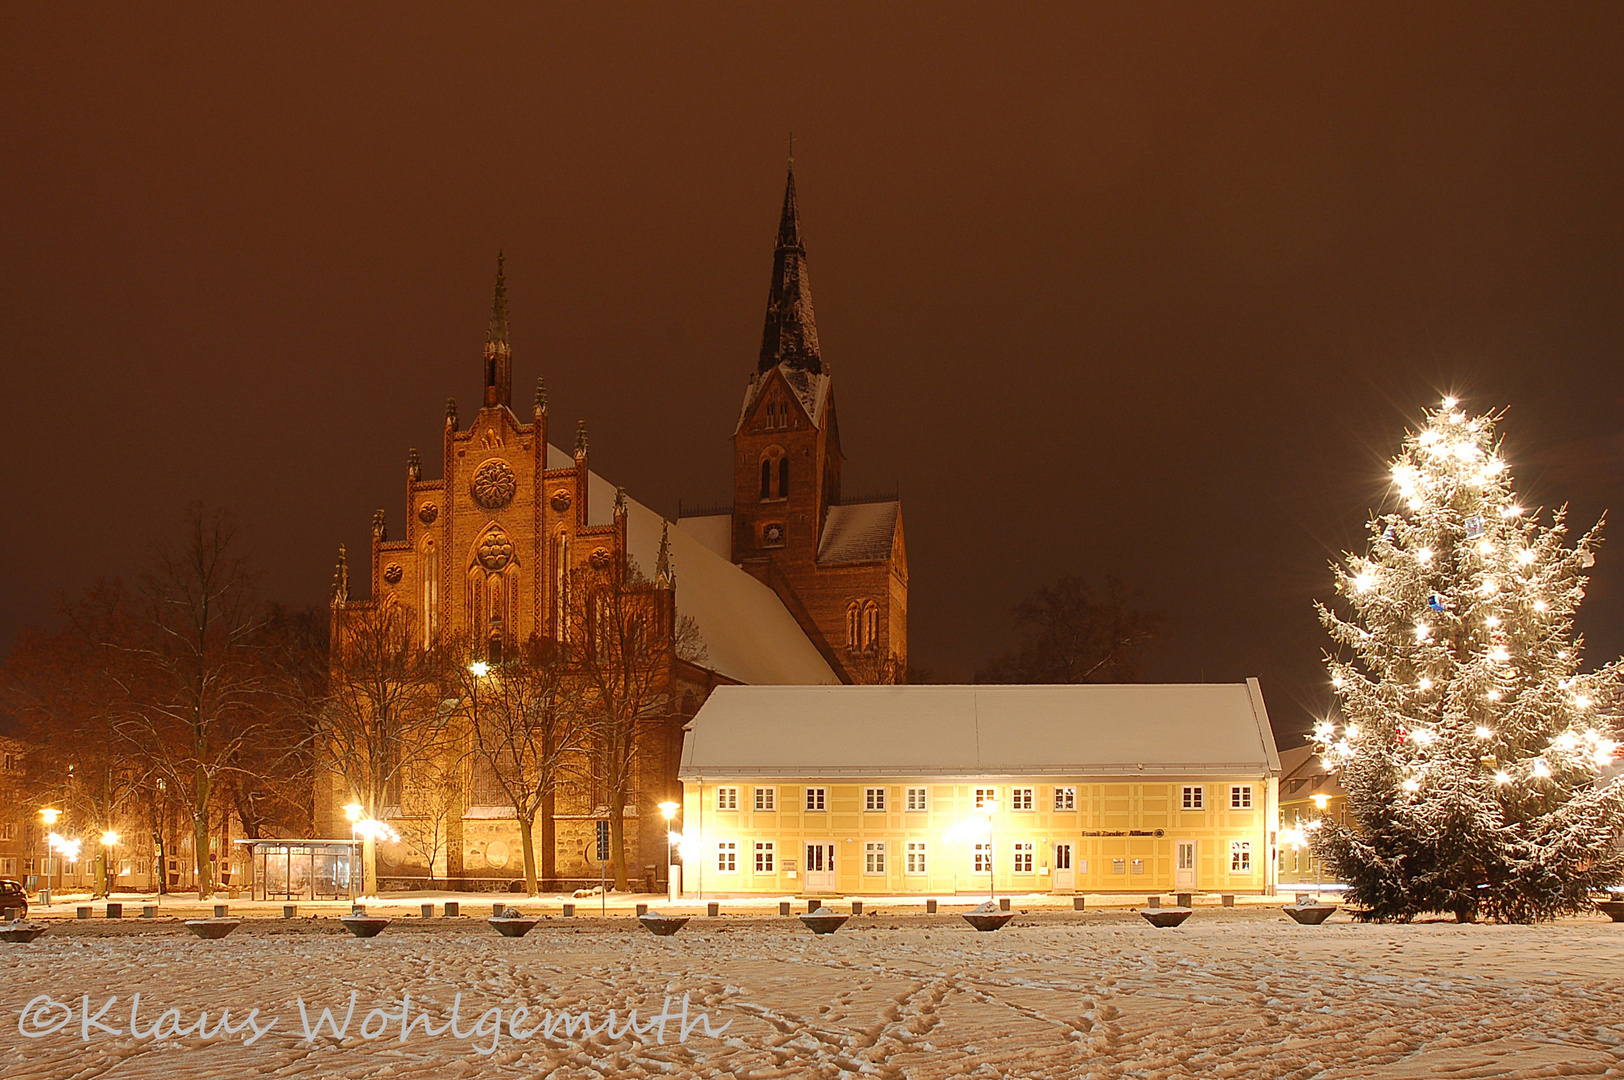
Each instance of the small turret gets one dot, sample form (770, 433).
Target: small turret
(379, 529)
(414, 465)
(541, 397)
(451, 413)
(664, 576)
(580, 440)
(341, 580)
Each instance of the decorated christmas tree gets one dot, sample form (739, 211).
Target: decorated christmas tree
(1474, 750)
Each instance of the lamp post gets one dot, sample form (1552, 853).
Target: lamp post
(669, 809)
(353, 812)
(109, 841)
(50, 817)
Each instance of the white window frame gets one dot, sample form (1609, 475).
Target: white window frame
(981, 859)
(766, 799)
(1065, 799)
(1240, 856)
(874, 858)
(1022, 799)
(727, 798)
(917, 860)
(917, 799)
(765, 857)
(874, 800)
(1193, 797)
(1240, 796)
(727, 857)
(1023, 856)
(817, 799)
(984, 795)
(8, 831)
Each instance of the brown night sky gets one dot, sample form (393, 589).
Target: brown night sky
(1143, 289)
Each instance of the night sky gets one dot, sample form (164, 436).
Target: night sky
(1149, 290)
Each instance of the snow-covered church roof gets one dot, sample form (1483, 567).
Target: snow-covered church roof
(1117, 730)
(749, 635)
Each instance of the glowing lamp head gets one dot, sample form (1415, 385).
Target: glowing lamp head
(352, 811)
(49, 816)
(479, 669)
(1321, 801)
(109, 838)
(669, 809)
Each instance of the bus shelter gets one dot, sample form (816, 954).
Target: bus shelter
(303, 869)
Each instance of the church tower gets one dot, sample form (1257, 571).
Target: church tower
(840, 568)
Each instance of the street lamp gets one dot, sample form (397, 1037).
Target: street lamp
(669, 809)
(109, 841)
(353, 812)
(50, 818)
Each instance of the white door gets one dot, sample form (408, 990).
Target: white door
(1184, 870)
(1064, 879)
(820, 868)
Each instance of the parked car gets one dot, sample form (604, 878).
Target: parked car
(12, 896)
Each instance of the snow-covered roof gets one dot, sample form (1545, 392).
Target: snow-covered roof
(1118, 730)
(1301, 763)
(715, 531)
(749, 635)
(860, 533)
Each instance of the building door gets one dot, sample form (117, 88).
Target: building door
(1184, 870)
(820, 868)
(1064, 879)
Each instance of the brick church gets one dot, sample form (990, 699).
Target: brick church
(791, 585)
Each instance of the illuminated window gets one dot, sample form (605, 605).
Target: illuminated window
(874, 857)
(982, 858)
(985, 795)
(1020, 798)
(1023, 857)
(916, 798)
(815, 797)
(727, 798)
(1240, 856)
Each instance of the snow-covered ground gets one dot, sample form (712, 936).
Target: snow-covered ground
(1242, 993)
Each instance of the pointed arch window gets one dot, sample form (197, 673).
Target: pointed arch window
(854, 626)
(783, 477)
(871, 626)
(774, 466)
(766, 479)
(561, 586)
(431, 593)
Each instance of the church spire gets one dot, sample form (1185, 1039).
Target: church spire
(790, 335)
(498, 353)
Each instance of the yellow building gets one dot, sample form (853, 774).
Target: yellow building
(1308, 793)
(965, 789)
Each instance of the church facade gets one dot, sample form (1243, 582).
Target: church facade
(788, 586)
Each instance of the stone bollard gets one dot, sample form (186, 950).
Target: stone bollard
(930, 907)
(1153, 902)
(84, 912)
(811, 906)
(10, 914)
(498, 908)
(428, 911)
(1003, 903)
(220, 911)
(783, 907)
(713, 909)
(856, 907)
(453, 908)
(642, 909)
(1077, 903)
(290, 911)
(115, 910)
(149, 911)
(569, 911)
(355, 909)
(1186, 899)
(1228, 899)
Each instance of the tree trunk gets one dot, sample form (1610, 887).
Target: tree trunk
(617, 836)
(101, 875)
(200, 853)
(528, 846)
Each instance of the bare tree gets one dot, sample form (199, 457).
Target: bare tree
(525, 729)
(431, 795)
(626, 641)
(382, 714)
(195, 689)
(1068, 635)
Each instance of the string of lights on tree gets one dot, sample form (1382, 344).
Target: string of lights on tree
(1470, 742)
